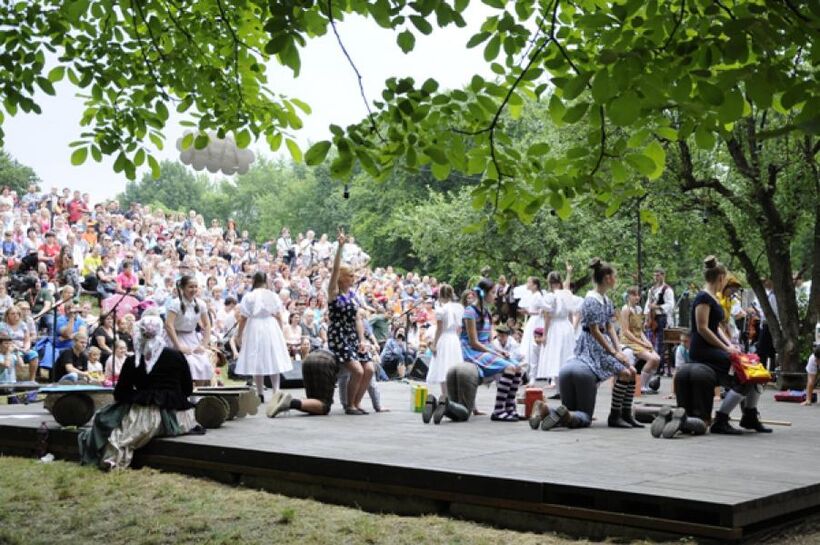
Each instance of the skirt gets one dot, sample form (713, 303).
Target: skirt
(200, 364)
(263, 350)
(121, 428)
(448, 353)
(558, 348)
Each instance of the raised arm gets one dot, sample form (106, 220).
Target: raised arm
(568, 277)
(333, 285)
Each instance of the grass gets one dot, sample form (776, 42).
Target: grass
(63, 502)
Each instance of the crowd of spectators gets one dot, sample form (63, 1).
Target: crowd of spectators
(59, 246)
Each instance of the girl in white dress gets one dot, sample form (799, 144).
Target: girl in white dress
(262, 348)
(184, 314)
(563, 310)
(536, 306)
(446, 345)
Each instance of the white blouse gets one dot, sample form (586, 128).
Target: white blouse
(186, 322)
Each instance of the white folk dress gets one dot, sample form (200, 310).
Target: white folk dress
(448, 348)
(263, 350)
(560, 342)
(185, 327)
(535, 305)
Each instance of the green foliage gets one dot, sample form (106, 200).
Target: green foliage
(177, 188)
(15, 175)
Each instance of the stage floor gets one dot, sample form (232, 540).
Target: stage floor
(593, 482)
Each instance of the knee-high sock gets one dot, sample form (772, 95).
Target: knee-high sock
(509, 406)
(628, 397)
(274, 381)
(645, 379)
(260, 384)
(618, 393)
(751, 398)
(731, 401)
(502, 393)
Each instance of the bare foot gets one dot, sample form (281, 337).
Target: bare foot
(476, 412)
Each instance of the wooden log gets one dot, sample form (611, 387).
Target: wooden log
(211, 412)
(73, 409)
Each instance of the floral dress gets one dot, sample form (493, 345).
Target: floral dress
(488, 363)
(342, 337)
(596, 310)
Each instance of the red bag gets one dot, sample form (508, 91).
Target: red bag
(749, 370)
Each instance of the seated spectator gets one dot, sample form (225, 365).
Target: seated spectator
(8, 359)
(113, 365)
(95, 367)
(103, 337)
(72, 364)
(18, 330)
(397, 355)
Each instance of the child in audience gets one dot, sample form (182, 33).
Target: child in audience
(115, 361)
(95, 368)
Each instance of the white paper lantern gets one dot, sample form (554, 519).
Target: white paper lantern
(199, 161)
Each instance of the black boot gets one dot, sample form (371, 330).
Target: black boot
(722, 426)
(615, 420)
(693, 425)
(751, 421)
(629, 418)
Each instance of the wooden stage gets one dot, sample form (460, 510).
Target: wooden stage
(595, 483)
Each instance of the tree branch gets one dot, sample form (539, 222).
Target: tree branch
(148, 65)
(236, 43)
(678, 22)
(794, 10)
(724, 8)
(736, 151)
(374, 128)
(690, 182)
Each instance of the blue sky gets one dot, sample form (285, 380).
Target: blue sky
(327, 84)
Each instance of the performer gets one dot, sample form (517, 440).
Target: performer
(185, 313)
(261, 344)
(560, 324)
(446, 347)
(660, 304)
(536, 308)
(597, 359)
(346, 339)
(150, 400)
(320, 371)
(478, 350)
(709, 346)
(633, 337)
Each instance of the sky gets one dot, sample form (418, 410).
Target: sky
(327, 83)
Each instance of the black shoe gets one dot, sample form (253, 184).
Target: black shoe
(694, 426)
(751, 421)
(629, 418)
(555, 396)
(441, 408)
(616, 421)
(722, 426)
(197, 430)
(429, 408)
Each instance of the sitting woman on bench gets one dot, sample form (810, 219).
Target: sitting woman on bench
(151, 400)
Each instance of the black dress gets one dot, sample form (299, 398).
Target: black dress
(700, 350)
(342, 337)
(167, 386)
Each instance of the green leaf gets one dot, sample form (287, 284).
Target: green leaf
(406, 41)
(56, 74)
(624, 110)
(477, 39)
(601, 90)
(656, 152)
(243, 138)
(277, 44)
(436, 155)
(760, 91)
(641, 163)
(79, 155)
(492, 48)
(421, 23)
(440, 172)
(139, 157)
(302, 105)
(538, 149)
(667, 132)
(619, 172)
(732, 108)
(155, 171)
(294, 150)
(704, 138)
(201, 141)
(575, 113)
(648, 217)
(710, 93)
(187, 140)
(317, 153)
(576, 86)
(46, 86)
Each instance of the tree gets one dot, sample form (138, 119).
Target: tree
(634, 78)
(15, 175)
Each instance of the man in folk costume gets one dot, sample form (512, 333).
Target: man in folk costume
(660, 304)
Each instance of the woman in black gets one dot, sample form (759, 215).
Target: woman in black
(150, 400)
(104, 336)
(709, 346)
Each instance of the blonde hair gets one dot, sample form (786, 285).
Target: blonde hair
(94, 351)
(344, 269)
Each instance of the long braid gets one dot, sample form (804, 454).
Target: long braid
(179, 294)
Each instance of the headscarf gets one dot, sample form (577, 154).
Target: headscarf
(148, 340)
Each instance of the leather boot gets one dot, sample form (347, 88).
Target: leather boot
(455, 411)
(693, 425)
(721, 425)
(615, 420)
(751, 421)
(629, 418)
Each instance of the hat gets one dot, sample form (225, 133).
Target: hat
(502, 328)
(538, 331)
